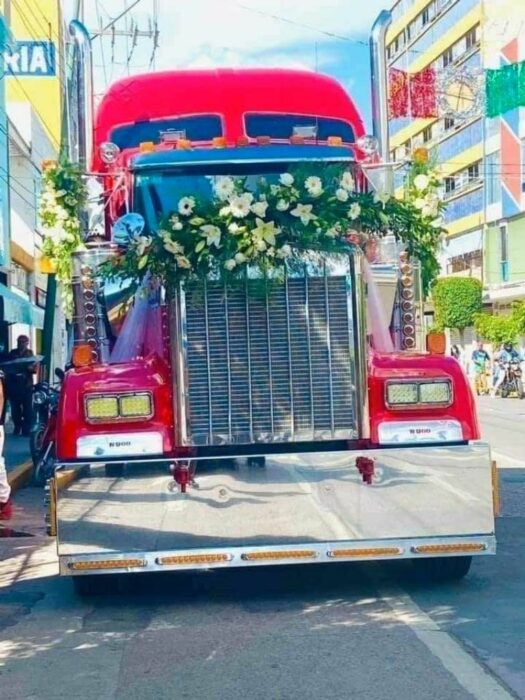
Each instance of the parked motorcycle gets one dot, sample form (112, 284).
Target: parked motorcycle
(512, 383)
(42, 440)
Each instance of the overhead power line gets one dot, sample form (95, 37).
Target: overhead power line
(116, 19)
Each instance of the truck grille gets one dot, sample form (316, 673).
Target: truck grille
(269, 364)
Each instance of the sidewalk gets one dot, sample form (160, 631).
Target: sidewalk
(16, 450)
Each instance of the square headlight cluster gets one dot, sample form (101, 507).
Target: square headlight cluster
(100, 408)
(437, 393)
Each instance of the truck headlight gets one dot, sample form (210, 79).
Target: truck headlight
(136, 405)
(416, 394)
(101, 407)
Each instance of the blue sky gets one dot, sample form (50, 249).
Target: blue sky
(209, 33)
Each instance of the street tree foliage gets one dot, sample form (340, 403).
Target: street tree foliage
(501, 329)
(457, 300)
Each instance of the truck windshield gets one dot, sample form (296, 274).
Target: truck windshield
(157, 193)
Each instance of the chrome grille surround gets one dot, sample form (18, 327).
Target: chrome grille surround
(267, 361)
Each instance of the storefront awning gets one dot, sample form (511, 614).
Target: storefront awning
(16, 309)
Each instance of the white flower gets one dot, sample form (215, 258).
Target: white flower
(341, 194)
(282, 205)
(213, 235)
(354, 211)
(274, 189)
(265, 232)
(314, 186)
(347, 181)
(240, 258)
(419, 203)
(429, 210)
(285, 251)
(186, 205)
(224, 187)
(304, 212)
(230, 264)
(381, 198)
(286, 179)
(270, 252)
(240, 205)
(182, 261)
(172, 246)
(234, 228)
(260, 245)
(142, 243)
(421, 182)
(259, 209)
(224, 211)
(437, 223)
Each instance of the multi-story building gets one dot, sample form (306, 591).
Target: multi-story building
(504, 243)
(482, 159)
(33, 100)
(444, 34)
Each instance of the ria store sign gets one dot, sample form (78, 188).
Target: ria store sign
(31, 58)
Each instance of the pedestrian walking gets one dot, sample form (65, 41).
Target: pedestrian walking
(19, 387)
(480, 368)
(6, 504)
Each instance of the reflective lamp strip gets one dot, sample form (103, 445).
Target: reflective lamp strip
(449, 548)
(184, 559)
(418, 393)
(106, 564)
(272, 556)
(413, 432)
(370, 552)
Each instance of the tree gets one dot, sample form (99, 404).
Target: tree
(457, 300)
(496, 329)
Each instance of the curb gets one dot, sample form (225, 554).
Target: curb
(20, 476)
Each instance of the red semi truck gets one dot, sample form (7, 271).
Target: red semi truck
(261, 430)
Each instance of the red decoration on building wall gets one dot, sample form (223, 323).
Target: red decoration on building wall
(412, 95)
(423, 98)
(398, 89)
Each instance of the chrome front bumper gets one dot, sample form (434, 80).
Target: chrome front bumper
(312, 507)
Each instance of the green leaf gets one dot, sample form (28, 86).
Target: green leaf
(142, 262)
(200, 246)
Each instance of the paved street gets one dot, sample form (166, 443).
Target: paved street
(344, 631)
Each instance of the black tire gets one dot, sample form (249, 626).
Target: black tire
(441, 569)
(519, 388)
(44, 468)
(91, 584)
(35, 441)
(256, 462)
(114, 470)
(504, 392)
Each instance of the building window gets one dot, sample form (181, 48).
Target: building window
(504, 251)
(447, 57)
(471, 39)
(448, 123)
(493, 177)
(450, 184)
(473, 172)
(40, 297)
(427, 134)
(20, 278)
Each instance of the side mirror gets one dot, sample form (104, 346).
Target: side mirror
(126, 228)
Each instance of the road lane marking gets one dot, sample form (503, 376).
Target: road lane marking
(470, 674)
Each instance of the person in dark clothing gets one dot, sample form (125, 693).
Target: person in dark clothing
(19, 387)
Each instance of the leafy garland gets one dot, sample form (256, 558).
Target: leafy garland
(270, 228)
(62, 198)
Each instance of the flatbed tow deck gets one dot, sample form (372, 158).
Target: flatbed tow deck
(299, 508)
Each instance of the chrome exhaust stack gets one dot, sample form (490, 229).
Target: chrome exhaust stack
(83, 74)
(379, 77)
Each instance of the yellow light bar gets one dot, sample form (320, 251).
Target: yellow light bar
(369, 552)
(334, 141)
(219, 142)
(106, 564)
(447, 548)
(146, 147)
(182, 559)
(136, 405)
(285, 554)
(297, 140)
(183, 144)
(101, 407)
